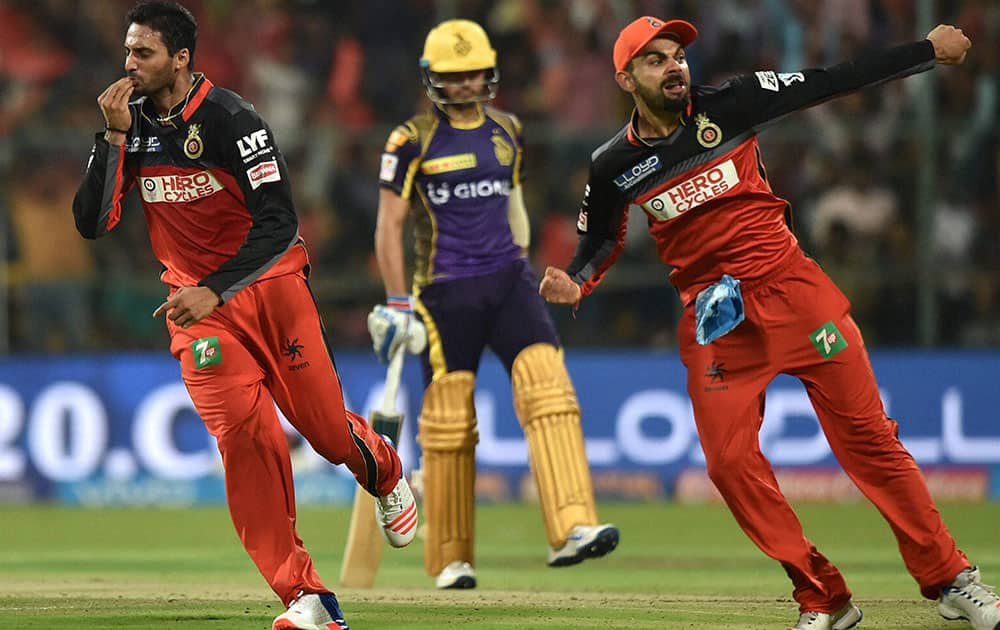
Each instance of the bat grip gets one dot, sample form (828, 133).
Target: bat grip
(392, 376)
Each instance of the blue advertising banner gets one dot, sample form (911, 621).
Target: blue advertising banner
(121, 429)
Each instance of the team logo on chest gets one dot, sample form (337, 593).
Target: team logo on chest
(709, 134)
(193, 146)
(502, 149)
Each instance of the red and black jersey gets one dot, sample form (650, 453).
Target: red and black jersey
(704, 188)
(213, 185)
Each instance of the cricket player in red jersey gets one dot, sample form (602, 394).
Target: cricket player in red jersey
(756, 306)
(241, 317)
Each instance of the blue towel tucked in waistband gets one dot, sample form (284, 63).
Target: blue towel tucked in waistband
(717, 310)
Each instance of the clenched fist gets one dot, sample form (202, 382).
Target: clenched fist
(558, 288)
(950, 44)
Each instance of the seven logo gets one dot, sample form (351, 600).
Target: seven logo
(253, 142)
(292, 349)
(716, 372)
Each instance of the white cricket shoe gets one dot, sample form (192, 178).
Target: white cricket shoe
(847, 617)
(584, 541)
(458, 574)
(969, 599)
(396, 512)
(314, 611)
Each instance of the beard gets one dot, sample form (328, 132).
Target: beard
(655, 99)
(152, 83)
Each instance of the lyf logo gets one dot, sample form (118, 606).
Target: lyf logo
(252, 143)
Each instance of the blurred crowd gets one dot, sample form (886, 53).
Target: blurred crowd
(894, 189)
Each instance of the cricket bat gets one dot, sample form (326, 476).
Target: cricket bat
(363, 551)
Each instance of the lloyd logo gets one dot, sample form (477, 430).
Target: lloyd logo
(639, 172)
(693, 192)
(252, 143)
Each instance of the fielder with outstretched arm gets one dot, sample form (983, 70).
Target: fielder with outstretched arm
(755, 306)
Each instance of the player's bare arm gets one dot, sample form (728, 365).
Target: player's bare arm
(950, 44)
(558, 288)
(189, 305)
(114, 105)
(392, 209)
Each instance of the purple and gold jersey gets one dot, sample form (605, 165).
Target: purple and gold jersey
(458, 179)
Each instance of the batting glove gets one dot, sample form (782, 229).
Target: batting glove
(393, 325)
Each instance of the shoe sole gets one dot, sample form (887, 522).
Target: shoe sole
(603, 544)
(462, 582)
(861, 616)
(959, 617)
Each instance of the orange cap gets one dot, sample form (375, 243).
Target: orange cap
(643, 30)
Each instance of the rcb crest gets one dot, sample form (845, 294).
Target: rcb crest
(709, 134)
(193, 146)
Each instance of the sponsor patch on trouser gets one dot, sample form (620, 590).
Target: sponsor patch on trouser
(206, 352)
(828, 340)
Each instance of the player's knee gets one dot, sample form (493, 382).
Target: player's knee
(731, 466)
(448, 416)
(541, 385)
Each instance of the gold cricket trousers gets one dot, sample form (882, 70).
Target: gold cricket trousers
(798, 322)
(267, 342)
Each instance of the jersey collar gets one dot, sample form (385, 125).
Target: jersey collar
(187, 107)
(472, 124)
(632, 131)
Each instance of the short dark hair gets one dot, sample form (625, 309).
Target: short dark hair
(172, 21)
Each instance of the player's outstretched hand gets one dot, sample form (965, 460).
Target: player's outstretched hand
(950, 44)
(558, 288)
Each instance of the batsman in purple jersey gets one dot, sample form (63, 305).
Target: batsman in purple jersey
(456, 170)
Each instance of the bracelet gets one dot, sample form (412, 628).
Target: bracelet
(124, 131)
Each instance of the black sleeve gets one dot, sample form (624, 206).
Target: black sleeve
(97, 206)
(601, 227)
(771, 95)
(258, 166)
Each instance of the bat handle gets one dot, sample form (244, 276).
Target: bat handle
(392, 377)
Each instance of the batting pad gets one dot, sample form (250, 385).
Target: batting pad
(550, 416)
(447, 435)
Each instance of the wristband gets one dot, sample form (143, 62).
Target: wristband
(399, 302)
(124, 131)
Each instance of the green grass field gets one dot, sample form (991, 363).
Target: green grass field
(676, 567)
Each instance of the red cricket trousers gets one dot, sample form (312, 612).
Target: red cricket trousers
(266, 345)
(798, 322)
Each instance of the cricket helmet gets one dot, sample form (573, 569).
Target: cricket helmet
(458, 46)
